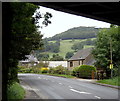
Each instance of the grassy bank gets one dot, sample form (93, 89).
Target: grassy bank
(15, 92)
(113, 81)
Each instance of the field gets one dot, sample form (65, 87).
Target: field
(65, 46)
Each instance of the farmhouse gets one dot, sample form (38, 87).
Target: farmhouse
(29, 62)
(82, 57)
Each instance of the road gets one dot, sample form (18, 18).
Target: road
(51, 87)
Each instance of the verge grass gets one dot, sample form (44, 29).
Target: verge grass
(114, 81)
(15, 92)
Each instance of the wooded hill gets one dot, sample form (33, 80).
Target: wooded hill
(76, 33)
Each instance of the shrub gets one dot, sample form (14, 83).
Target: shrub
(60, 69)
(51, 70)
(44, 70)
(84, 71)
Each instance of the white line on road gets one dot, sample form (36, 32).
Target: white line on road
(97, 97)
(70, 87)
(60, 83)
(79, 91)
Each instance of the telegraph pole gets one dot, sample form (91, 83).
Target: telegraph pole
(111, 62)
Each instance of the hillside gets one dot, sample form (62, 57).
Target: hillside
(65, 46)
(76, 33)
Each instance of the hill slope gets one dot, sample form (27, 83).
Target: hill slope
(76, 33)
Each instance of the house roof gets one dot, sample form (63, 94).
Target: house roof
(81, 54)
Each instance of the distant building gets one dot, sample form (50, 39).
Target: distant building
(82, 57)
(56, 63)
(31, 61)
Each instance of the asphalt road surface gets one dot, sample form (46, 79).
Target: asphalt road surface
(51, 87)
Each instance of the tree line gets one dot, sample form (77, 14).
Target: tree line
(76, 33)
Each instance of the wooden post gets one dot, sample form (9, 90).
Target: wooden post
(93, 75)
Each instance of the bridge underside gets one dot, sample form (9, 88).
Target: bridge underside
(102, 11)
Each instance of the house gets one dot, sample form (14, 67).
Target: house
(31, 61)
(82, 57)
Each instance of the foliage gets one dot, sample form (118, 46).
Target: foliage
(65, 46)
(50, 46)
(77, 46)
(102, 49)
(59, 69)
(113, 81)
(15, 92)
(56, 57)
(44, 70)
(24, 36)
(42, 64)
(69, 55)
(84, 71)
(76, 33)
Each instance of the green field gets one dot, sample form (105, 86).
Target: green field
(65, 46)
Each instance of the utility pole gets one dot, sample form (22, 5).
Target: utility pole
(111, 62)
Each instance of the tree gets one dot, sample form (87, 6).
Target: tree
(24, 36)
(43, 57)
(69, 55)
(102, 49)
(56, 57)
(77, 46)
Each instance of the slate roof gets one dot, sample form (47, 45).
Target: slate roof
(81, 54)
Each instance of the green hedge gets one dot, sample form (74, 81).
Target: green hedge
(84, 71)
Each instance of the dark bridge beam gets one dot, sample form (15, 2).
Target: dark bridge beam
(103, 11)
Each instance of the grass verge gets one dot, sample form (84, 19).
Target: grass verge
(114, 81)
(15, 92)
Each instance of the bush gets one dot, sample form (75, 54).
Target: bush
(83, 71)
(60, 69)
(44, 70)
(51, 70)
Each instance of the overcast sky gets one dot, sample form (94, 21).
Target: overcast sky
(63, 21)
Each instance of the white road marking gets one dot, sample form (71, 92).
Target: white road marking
(39, 77)
(79, 91)
(70, 86)
(97, 97)
(60, 83)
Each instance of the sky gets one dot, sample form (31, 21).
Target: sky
(63, 21)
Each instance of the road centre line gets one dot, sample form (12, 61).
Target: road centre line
(70, 87)
(97, 97)
(79, 91)
(60, 83)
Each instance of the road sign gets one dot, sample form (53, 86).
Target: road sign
(111, 66)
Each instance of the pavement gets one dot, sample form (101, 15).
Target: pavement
(31, 93)
(94, 82)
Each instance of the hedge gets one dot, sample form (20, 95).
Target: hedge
(84, 71)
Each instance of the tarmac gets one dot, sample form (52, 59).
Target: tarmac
(30, 94)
